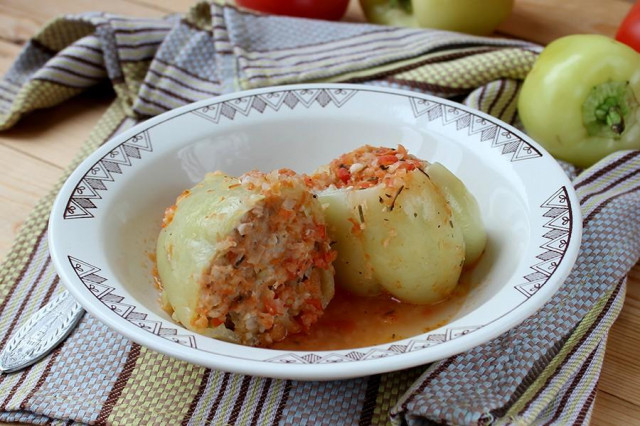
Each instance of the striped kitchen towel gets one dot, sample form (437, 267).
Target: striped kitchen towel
(543, 371)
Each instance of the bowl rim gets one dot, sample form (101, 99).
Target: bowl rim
(293, 370)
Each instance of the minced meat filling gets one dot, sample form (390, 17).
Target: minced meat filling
(267, 284)
(365, 167)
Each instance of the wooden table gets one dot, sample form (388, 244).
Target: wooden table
(44, 143)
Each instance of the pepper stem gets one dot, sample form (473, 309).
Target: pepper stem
(611, 113)
(605, 110)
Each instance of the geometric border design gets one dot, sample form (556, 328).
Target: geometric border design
(87, 191)
(274, 101)
(88, 274)
(374, 353)
(498, 136)
(559, 235)
(103, 171)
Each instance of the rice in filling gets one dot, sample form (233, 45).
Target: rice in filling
(267, 281)
(365, 167)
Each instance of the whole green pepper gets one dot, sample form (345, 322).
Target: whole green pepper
(580, 100)
(467, 16)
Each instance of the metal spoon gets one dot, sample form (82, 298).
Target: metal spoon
(41, 333)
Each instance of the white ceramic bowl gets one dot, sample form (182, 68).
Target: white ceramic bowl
(106, 218)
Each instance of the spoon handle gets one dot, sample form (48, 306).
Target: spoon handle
(41, 333)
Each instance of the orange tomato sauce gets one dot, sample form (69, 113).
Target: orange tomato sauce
(352, 321)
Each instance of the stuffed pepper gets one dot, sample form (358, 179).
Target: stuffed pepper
(246, 259)
(397, 228)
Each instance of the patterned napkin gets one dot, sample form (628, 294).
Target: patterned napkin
(545, 370)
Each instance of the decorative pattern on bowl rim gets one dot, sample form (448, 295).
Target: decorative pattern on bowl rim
(87, 192)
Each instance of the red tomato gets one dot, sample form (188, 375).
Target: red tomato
(629, 31)
(331, 10)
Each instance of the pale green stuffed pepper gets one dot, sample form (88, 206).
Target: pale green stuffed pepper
(401, 225)
(246, 259)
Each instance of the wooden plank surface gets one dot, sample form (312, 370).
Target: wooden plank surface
(35, 152)
(545, 20)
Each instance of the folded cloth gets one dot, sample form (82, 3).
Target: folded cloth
(543, 371)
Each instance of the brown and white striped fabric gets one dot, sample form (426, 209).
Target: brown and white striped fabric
(545, 371)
